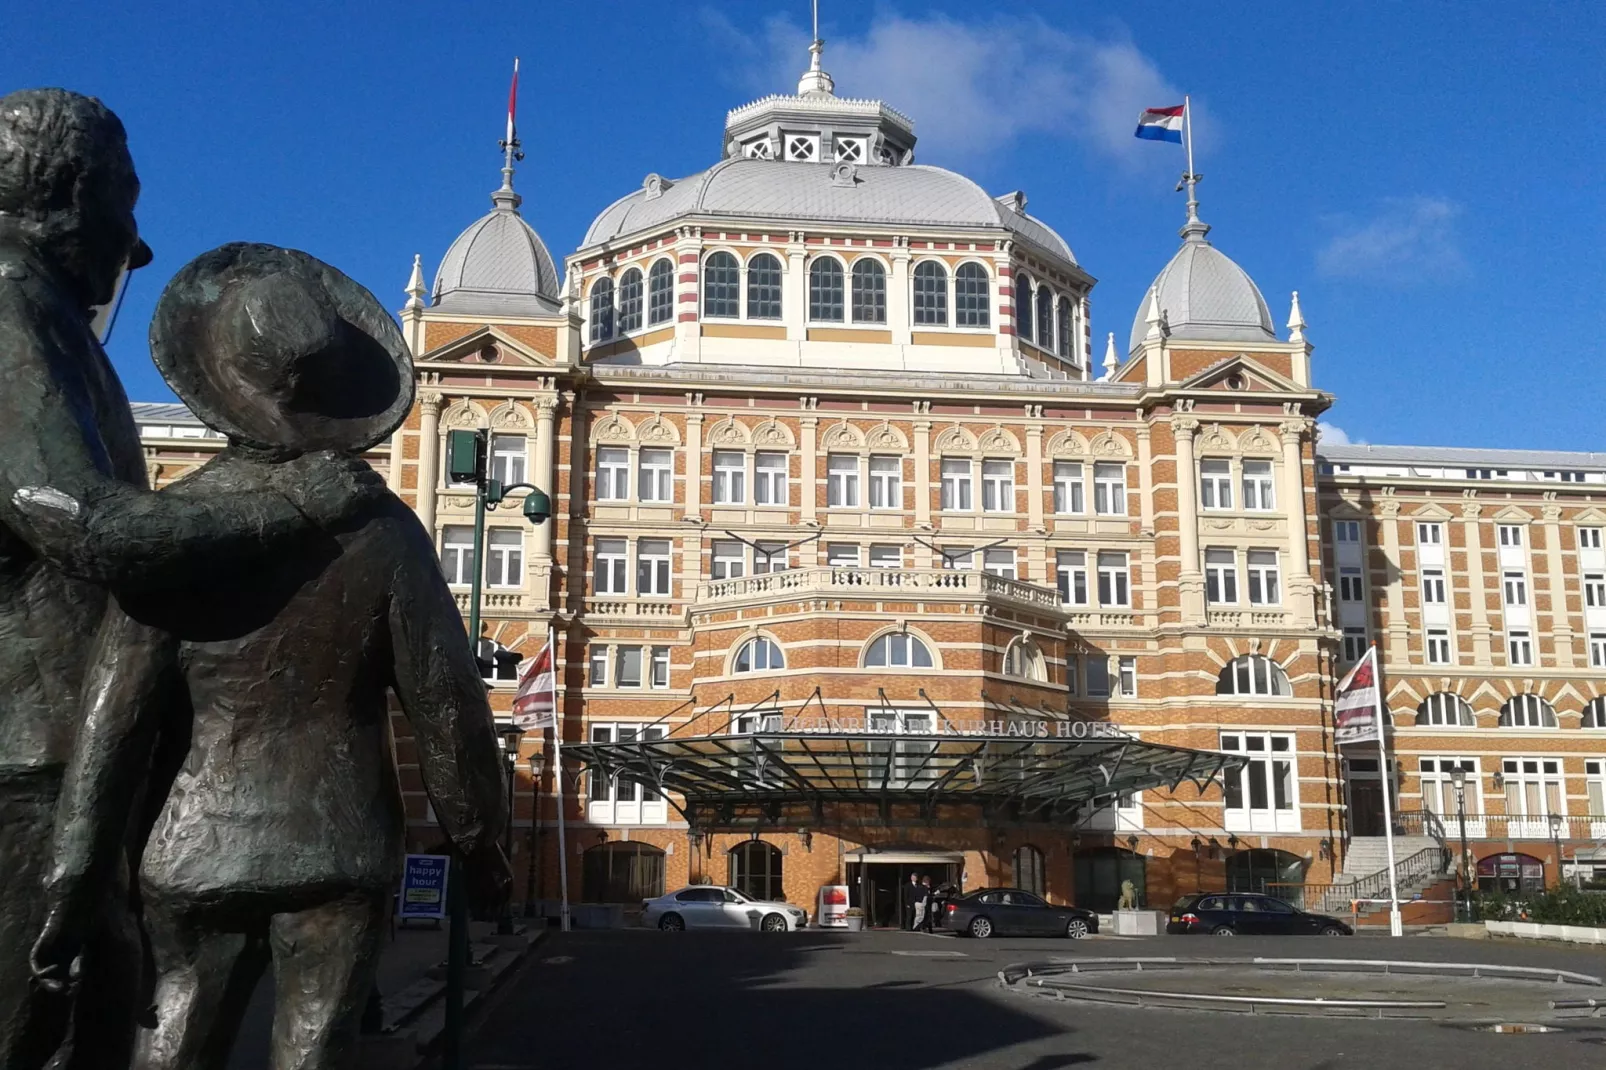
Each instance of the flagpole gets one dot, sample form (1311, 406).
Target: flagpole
(1187, 129)
(557, 784)
(1395, 927)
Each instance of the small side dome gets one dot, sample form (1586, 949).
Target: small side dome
(1205, 296)
(498, 266)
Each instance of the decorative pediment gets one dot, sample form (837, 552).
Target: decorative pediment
(613, 428)
(488, 345)
(1511, 514)
(886, 437)
(1217, 439)
(1257, 440)
(1067, 443)
(955, 440)
(1432, 511)
(998, 440)
(1590, 517)
(1238, 374)
(1109, 444)
(842, 436)
(729, 432)
(657, 431)
(773, 433)
(464, 413)
(510, 414)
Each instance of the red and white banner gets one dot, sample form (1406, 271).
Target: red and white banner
(535, 702)
(1355, 708)
(513, 103)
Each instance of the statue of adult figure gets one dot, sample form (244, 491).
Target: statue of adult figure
(78, 522)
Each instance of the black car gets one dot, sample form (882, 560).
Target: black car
(1240, 914)
(1011, 911)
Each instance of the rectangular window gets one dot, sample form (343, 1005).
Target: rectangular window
(842, 480)
(1109, 489)
(508, 459)
(999, 561)
(886, 555)
(1215, 483)
(1068, 489)
(1221, 577)
(1347, 531)
(1258, 491)
(958, 557)
(1070, 575)
(956, 484)
(597, 676)
(1597, 653)
(886, 482)
(1430, 534)
(457, 554)
(660, 667)
(1073, 681)
(729, 560)
(1533, 787)
(730, 477)
(1438, 646)
(1515, 587)
(1589, 539)
(610, 567)
(1354, 644)
(769, 557)
(1128, 676)
(998, 486)
(1510, 535)
(1265, 578)
(1349, 585)
(628, 666)
(504, 558)
(1519, 648)
(1098, 676)
(769, 479)
(842, 555)
(1595, 786)
(1264, 793)
(1595, 590)
(655, 476)
(1113, 579)
(613, 474)
(1432, 586)
(652, 567)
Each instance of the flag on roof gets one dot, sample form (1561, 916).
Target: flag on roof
(1355, 704)
(1162, 124)
(513, 103)
(535, 702)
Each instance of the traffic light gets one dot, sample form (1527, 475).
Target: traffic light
(465, 456)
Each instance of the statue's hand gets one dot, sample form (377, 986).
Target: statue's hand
(54, 960)
(488, 879)
(328, 487)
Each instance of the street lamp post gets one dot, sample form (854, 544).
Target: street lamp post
(510, 761)
(1458, 779)
(1556, 823)
(531, 889)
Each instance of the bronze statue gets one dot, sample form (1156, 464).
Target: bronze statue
(76, 519)
(257, 697)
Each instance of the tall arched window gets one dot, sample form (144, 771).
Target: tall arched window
(758, 654)
(931, 293)
(1023, 659)
(660, 292)
(1029, 875)
(1527, 711)
(1594, 713)
(897, 650)
(601, 311)
(972, 300)
(630, 301)
(722, 286)
(756, 871)
(764, 288)
(1045, 317)
(1063, 329)
(826, 290)
(1443, 708)
(869, 292)
(1252, 674)
(1023, 307)
(622, 872)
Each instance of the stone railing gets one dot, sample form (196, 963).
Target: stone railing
(1102, 619)
(633, 609)
(1247, 618)
(494, 600)
(944, 584)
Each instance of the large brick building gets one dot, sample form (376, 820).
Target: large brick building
(825, 439)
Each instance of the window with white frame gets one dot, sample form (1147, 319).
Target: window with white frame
(930, 294)
(1265, 578)
(1215, 483)
(722, 286)
(1429, 534)
(1443, 709)
(1347, 532)
(764, 288)
(1097, 677)
(1432, 586)
(1349, 584)
(1252, 674)
(869, 291)
(630, 301)
(1595, 787)
(1438, 646)
(758, 655)
(1263, 794)
(1258, 487)
(1597, 650)
(973, 303)
(660, 292)
(886, 555)
(997, 486)
(1589, 538)
(1221, 577)
(1073, 674)
(1515, 587)
(1045, 318)
(897, 650)
(730, 477)
(804, 148)
(508, 454)
(842, 554)
(956, 489)
(842, 480)
(1595, 590)
(619, 800)
(613, 474)
(1126, 676)
(1022, 659)
(1527, 711)
(1533, 787)
(655, 475)
(728, 560)
(1355, 644)
(610, 565)
(504, 557)
(1438, 787)
(658, 668)
(769, 556)
(1109, 488)
(962, 558)
(1519, 648)
(1509, 535)
(1070, 576)
(1113, 579)
(999, 561)
(597, 665)
(1068, 489)
(652, 567)
(601, 310)
(457, 554)
(886, 482)
(627, 666)
(827, 296)
(769, 478)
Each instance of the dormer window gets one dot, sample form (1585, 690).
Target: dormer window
(804, 148)
(850, 150)
(758, 149)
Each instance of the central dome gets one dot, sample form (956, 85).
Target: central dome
(1205, 296)
(498, 266)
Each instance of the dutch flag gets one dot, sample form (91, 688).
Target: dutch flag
(1162, 124)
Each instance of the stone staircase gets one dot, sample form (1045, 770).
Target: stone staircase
(1420, 869)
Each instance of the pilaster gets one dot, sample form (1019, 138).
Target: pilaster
(1561, 622)
(1482, 632)
(1190, 583)
(1398, 628)
(808, 462)
(429, 456)
(694, 458)
(1301, 586)
(898, 292)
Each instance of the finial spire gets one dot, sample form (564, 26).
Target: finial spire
(511, 152)
(415, 284)
(1296, 321)
(1155, 318)
(815, 80)
(1194, 229)
(1111, 362)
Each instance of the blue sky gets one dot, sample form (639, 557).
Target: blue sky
(1427, 175)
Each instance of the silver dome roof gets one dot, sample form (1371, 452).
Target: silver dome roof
(1205, 296)
(498, 266)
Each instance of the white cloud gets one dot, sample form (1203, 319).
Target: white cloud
(971, 87)
(1407, 240)
(1333, 435)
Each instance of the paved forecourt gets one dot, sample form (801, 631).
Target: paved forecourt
(902, 1001)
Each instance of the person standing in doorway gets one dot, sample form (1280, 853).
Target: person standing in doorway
(927, 905)
(911, 897)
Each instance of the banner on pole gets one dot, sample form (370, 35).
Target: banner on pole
(1355, 710)
(535, 702)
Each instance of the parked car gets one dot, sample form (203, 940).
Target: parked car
(712, 906)
(1011, 911)
(1249, 915)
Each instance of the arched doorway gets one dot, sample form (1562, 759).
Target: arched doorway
(622, 873)
(1100, 872)
(756, 870)
(1511, 874)
(1262, 869)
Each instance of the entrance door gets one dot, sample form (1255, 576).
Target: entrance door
(1366, 807)
(883, 890)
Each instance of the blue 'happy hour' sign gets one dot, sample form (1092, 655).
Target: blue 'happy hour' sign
(423, 890)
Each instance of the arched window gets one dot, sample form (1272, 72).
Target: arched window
(1045, 317)
(1252, 674)
(1443, 708)
(756, 871)
(972, 300)
(897, 650)
(1527, 711)
(622, 872)
(1063, 329)
(722, 286)
(931, 293)
(630, 301)
(825, 290)
(764, 288)
(1594, 713)
(1023, 659)
(869, 292)
(660, 292)
(601, 311)
(1023, 307)
(1029, 876)
(758, 654)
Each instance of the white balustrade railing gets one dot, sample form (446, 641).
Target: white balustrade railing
(878, 582)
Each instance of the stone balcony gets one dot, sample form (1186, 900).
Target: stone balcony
(900, 584)
(1233, 619)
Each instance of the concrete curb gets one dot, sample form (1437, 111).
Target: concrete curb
(1529, 930)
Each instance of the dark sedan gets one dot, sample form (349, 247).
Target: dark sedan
(1011, 911)
(1249, 915)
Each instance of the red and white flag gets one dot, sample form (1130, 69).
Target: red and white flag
(1355, 707)
(513, 102)
(535, 702)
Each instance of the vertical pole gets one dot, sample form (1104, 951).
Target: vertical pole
(1466, 878)
(456, 966)
(1395, 927)
(1187, 130)
(479, 553)
(557, 785)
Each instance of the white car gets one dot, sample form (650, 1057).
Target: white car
(711, 906)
